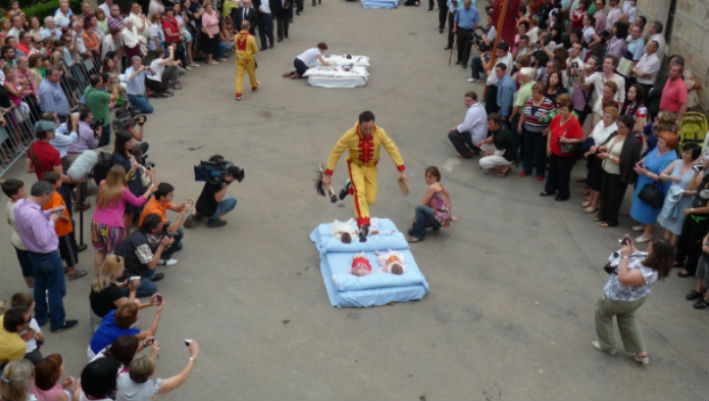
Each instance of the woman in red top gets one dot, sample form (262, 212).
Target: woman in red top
(564, 128)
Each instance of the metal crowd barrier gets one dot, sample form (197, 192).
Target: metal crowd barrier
(18, 131)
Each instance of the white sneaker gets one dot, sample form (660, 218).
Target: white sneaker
(597, 345)
(168, 262)
(643, 360)
(639, 227)
(473, 80)
(642, 239)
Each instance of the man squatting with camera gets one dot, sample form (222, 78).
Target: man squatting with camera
(363, 142)
(211, 202)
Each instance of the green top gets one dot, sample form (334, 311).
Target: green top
(97, 101)
(523, 93)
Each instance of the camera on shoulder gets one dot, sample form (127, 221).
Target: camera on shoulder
(215, 169)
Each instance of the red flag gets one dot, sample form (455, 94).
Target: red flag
(506, 25)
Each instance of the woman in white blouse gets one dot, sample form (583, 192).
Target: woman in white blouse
(632, 275)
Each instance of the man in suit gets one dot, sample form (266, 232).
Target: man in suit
(246, 13)
(281, 10)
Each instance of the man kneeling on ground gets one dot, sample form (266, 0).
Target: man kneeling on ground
(472, 130)
(498, 148)
(142, 250)
(211, 202)
(158, 204)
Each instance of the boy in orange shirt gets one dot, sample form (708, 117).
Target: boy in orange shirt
(159, 204)
(63, 228)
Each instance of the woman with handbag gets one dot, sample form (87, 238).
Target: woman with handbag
(618, 154)
(696, 225)
(648, 170)
(680, 173)
(563, 143)
(631, 279)
(533, 124)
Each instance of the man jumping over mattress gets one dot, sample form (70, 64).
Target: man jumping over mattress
(363, 142)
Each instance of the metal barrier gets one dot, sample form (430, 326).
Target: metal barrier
(18, 131)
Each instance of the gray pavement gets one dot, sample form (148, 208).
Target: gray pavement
(513, 283)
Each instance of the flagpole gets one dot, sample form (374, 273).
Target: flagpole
(498, 34)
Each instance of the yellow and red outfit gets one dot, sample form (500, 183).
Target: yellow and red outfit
(246, 47)
(362, 165)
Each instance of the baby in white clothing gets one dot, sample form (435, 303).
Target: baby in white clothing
(391, 262)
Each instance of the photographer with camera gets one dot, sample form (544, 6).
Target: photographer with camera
(88, 132)
(632, 275)
(100, 103)
(139, 384)
(159, 204)
(211, 202)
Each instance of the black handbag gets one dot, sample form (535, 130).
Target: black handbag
(652, 195)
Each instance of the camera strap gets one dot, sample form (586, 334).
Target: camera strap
(33, 157)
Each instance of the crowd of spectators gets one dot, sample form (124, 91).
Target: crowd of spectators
(589, 83)
(69, 85)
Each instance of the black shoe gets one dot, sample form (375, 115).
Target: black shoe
(693, 295)
(157, 277)
(464, 66)
(271, 45)
(458, 62)
(560, 199)
(682, 274)
(81, 248)
(363, 231)
(700, 304)
(545, 193)
(216, 223)
(67, 325)
(440, 29)
(264, 48)
(346, 190)
(298, 13)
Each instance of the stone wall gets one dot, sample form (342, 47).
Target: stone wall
(690, 35)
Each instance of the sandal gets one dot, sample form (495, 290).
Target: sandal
(585, 203)
(683, 274)
(694, 294)
(605, 224)
(596, 218)
(414, 240)
(79, 273)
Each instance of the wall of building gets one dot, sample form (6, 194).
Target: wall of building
(690, 35)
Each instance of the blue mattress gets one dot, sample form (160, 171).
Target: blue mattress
(391, 4)
(377, 288)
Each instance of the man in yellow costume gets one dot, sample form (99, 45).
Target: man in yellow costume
(363, 142)
(246, 47)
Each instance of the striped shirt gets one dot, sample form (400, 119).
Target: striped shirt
(536, 119)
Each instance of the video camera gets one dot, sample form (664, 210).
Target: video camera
(214, 171)
(126, 118)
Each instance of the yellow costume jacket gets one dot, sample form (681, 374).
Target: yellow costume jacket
(364, 151)
(245, 45)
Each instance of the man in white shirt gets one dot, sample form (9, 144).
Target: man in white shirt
(135, 85)
(165, 73)
(656, 35)
(62, 17)
(106, 7)
(648, 66)
(472, 130)
(17, 27)
(50, 30)
(599, 79)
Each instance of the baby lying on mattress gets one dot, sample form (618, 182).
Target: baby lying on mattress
(389, 262)
(346, 230)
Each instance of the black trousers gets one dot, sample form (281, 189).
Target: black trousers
(612, 193)
(169, 77)
(282, 25)
(442, 12)
(465, 41)
(491, 100)
(451, 21)
(518, 139)
(559, 174)
(462, 142)
(689, 246)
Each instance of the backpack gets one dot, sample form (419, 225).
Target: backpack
(692, 129)
(104, 163)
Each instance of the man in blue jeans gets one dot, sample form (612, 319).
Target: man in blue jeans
(135, 85)
(211, 202)
(142, 251)
(36, 229)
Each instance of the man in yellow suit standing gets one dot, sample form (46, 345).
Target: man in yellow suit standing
(363, 142)
(246, 47)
